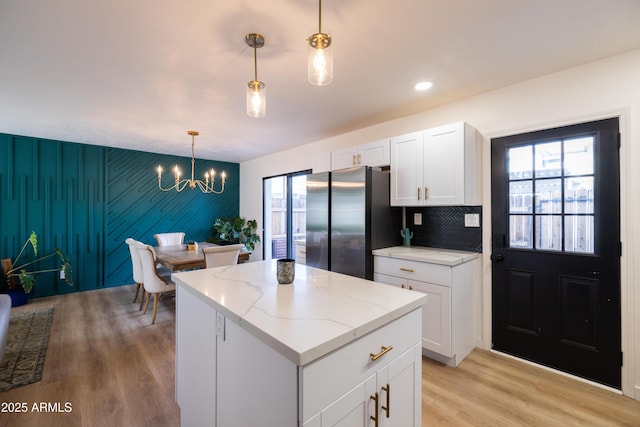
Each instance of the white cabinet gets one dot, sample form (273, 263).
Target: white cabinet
(321, 162)
(227, 376)
(372, 154)
(438, 166)
(448, 320)
(387, 389)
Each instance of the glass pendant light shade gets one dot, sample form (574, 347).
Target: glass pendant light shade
(256, 99)
(320, 60)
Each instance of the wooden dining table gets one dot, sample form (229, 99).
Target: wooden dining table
(177, 257)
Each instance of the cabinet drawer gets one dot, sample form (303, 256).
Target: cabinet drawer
(338, 372)
(414, 270)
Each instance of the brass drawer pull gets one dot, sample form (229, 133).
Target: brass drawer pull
(388, 407)
(375, 417)
(418, 193)
(410, 270)
(383, 350)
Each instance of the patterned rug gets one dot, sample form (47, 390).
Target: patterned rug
(27, 342)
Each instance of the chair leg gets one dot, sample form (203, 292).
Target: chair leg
(155, 308)
(142, 298)
(146, 306)
(135, 297)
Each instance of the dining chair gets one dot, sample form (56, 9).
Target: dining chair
(136, 268)
(217, 256)
(169, 239)
(153, 283)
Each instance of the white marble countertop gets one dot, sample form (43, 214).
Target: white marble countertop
(424, 254)
(320, 312)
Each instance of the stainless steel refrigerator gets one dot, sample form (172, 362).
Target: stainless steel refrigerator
(348, 216)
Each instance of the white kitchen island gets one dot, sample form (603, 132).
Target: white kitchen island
(329, 349)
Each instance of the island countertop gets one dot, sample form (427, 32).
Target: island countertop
(320, 312)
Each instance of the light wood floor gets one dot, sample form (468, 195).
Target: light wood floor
(116, 369)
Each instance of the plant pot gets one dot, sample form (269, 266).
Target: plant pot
(18, 297)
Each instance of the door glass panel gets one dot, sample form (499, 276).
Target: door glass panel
(578, 195)
(520, 231)
(299, 208)
(520, 162)
(548, 159)
(578, 233)
(549, 232)
(521, 197)
(275, 217)
(578, 156)
(548, 196)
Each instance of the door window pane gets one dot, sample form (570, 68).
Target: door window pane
(578, 233)
(521, 197)
(548, 196)
(578, 195)
(578, 156)
(520, 231)
(549, 232)
(299, 207)
(548, 159)
(520, 162)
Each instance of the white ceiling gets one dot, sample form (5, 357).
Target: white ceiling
(139, 74)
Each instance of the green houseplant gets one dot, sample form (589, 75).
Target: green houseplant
(26, 278)
(235, 230)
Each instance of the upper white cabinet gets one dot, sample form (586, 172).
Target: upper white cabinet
(438, 166)
(322, 162)
(372, 154)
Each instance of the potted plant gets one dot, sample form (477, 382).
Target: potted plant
(235, 230)
(17, 271)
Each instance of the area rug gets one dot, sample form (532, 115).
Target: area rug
(27, 343)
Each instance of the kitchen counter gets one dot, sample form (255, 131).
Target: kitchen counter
(315, 315)
(424, 254)
(252, 352)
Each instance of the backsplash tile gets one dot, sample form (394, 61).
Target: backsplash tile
(443, 227)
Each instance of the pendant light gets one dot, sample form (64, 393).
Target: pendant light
(256, 90)
(320, 59)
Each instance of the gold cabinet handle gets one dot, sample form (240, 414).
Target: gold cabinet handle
(359, 158)
(375, 417)
(383, 350)
(387, 408)
(426, 193)
(353, 160)
(419, 193)
(410, 270)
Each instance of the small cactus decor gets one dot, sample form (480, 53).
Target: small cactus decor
(407, 235)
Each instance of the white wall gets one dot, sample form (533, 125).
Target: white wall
(605, 88)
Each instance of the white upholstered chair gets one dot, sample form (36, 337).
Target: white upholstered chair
(217, 256)
(136, 269)
(153, 283)
(169, 239)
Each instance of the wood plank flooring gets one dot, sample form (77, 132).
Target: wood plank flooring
(115, 369)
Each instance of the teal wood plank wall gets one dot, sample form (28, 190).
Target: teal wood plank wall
(88, 199)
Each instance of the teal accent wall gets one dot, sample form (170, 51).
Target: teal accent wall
(88, 199)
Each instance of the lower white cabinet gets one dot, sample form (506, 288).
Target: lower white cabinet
(226, 376)
(448, 319)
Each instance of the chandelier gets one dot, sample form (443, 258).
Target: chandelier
(206, 186)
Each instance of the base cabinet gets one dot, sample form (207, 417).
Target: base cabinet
(225, 376)
(448, 316)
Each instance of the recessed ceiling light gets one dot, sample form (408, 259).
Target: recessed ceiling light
(423, 86)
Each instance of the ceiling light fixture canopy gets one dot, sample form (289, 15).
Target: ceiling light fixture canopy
(206, 186)
(320, 58)
(256, 90)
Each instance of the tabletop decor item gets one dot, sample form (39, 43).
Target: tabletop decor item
(192, 245)
(286, 271)
(407, 235)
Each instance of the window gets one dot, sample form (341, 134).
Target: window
(285, 206)
(551, 193)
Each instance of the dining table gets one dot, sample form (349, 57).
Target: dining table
(179, 257)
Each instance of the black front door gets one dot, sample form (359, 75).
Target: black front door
(556, 248)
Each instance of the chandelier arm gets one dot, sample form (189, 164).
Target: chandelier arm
(320, 16)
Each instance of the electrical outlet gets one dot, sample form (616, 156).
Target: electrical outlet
(62, 276)
(472, 220)
(220, 325)
(417, 218)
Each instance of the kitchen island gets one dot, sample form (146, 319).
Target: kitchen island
(329, 349)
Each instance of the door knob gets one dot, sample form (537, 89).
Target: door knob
(497, 258)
